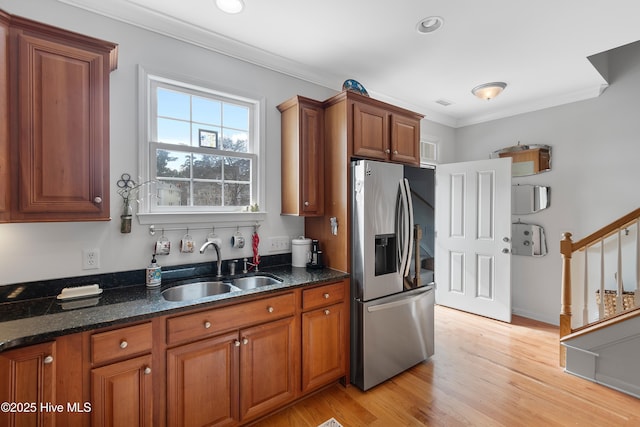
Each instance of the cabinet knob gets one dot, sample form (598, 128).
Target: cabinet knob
(306, 203)
(245, 341)
(147, 370)
(97, 200)
(123, 344)
(207, 324)
(236, 343)
(395, 151)
(326, 296)
(387, 151)
(270, 309)
(327, 312)
(48, 360)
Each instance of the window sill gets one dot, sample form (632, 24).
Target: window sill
(236, 218)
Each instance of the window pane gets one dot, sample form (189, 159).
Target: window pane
(207, 194)
(207, 167)
(236, 169)
(233, 140)
(172, 164)
(237, 195)
(173, 193)
(235, 116)
(206, 111)
(173, 104)
(173, 132)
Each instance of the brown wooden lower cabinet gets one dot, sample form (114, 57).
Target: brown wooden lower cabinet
(121, 394)
(285, 345)
(202, 382)
(269, 367)
(323, 342)
(28, 381)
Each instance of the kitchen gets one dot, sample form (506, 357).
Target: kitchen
(43, 251)
(100, 247)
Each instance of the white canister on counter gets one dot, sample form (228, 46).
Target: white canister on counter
(300, 251)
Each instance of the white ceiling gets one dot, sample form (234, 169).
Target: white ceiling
(539, 48)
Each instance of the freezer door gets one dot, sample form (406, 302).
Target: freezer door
(375, 269)
(397, 332)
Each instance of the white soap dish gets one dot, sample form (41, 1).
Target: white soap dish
(79, 292)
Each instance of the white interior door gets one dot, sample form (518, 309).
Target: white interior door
(473, 237)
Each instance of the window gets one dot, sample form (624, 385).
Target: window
(202, 149)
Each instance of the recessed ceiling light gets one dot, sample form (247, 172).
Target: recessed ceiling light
(230, 6)
(430, 24)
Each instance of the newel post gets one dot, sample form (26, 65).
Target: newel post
(566, 249)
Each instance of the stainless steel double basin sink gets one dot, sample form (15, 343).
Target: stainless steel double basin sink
(205, 288)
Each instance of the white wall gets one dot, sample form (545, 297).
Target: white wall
(594, 176)
(41, 251)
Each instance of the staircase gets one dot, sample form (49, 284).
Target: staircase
(602, 273)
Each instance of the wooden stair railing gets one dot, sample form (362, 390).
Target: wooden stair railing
(568, 248)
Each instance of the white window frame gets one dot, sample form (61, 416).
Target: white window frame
(147, 213)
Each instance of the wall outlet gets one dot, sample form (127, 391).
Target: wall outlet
(90, 259)
(279, 244)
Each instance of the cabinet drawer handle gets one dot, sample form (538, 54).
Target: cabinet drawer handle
(207, 324)
(245, 341)
(97, 200)
(147, 370)
(270, 309)
(327, 312)
(48, 360)
(123, 344)
(326, 296)
(236, 343)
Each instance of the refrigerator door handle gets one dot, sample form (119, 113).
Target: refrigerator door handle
(397, 303)
(406, 228)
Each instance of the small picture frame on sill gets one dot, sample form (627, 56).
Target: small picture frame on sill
(208, 138)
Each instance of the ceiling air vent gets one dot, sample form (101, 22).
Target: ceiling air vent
(444, 102)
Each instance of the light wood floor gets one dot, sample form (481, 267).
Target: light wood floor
(484, 373)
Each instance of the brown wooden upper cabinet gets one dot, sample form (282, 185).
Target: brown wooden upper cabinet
(302, 157)
(58, 122)
(383, 132)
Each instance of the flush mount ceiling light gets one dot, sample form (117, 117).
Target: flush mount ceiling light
(230, 6)
(488, 90)
(430, 24)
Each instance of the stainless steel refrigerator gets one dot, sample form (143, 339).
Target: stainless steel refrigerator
(392, 324)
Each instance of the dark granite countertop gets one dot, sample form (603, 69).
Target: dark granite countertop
(36, 320)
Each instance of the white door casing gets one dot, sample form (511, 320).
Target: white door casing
(473, 237)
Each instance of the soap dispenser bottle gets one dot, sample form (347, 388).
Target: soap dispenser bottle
(154, 273)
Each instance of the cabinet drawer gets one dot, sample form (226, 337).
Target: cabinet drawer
(119, 343)
(323, 295)
(211, 322)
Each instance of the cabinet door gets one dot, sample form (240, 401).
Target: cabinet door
(62, 143)
(302, 157)
(4, 120)
(121, 394)
(370, 131)
(405, 140)
(311, 161)
(202, 382)
(268, 367)
(28, 379)
(323, 346)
